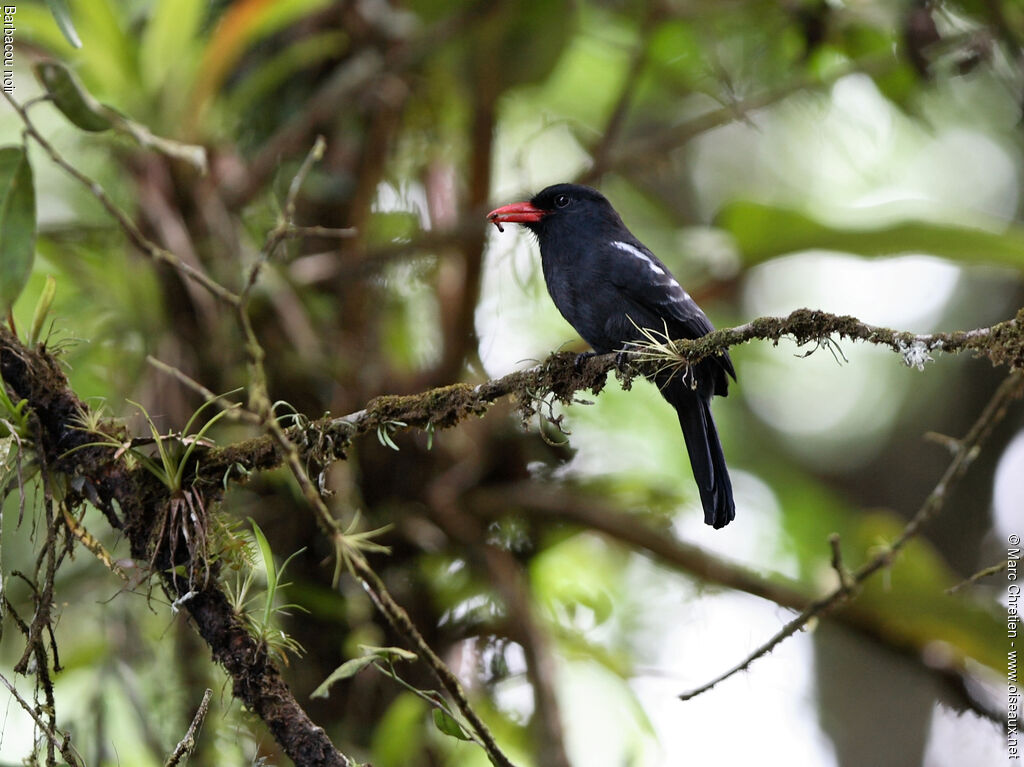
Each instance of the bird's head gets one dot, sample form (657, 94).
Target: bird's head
(558, 205)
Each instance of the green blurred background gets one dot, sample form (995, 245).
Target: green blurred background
(856, 157)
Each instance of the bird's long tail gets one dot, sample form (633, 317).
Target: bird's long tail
(706, 456)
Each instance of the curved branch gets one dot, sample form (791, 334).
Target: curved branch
(103, 480)
(558, 375)
(656, 146)
(635, 531)
(966, 449)
(131, 230)
(561, 378)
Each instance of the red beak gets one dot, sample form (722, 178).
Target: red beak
(516, 213)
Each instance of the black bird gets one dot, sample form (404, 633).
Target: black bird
(608, 285)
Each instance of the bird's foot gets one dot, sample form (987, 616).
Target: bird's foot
(622, 361)
(581, 360)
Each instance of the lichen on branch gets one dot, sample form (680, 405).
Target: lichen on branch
(560, 377)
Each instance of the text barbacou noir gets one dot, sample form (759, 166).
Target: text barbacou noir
(9, 11)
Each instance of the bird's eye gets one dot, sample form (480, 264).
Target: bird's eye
(561, 201)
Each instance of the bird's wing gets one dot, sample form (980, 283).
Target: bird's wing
(646, 282)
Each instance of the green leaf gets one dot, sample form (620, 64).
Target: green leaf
(84, 111)
(17, 223)
(42, 309)
(347, 669)
(268, 563)
(73, 101)
(169, 39)
(37, 26)
(765, 231)
(267, 76)
(61, 14)
(398, 653)
(110, 60)
(446, 723)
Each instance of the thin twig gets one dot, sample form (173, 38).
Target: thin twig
(233, 410)
(646, 533)
(660, 144)
(445, 497)
(837, 563)
(315, 154)
(993, 412)
(260, 403)
(983, 573)
(134, 234)
(402, 623)
(391, 610)
(188, 743)
(287, 222)
(61, 740)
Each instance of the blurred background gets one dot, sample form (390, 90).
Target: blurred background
(857, 157)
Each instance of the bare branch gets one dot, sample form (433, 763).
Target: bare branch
(1010, 389)
(658, 145)
(187, 743)
(983, 573)
(558, 504)
(845, 581)
(286, 228)
(60, 740)
(346, 550)
(233, 409)
(403, 624)
(134, 234)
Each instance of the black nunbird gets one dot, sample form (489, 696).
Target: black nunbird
(608, 285)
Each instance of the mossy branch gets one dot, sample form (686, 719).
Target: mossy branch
(561, 378)
(135, 502)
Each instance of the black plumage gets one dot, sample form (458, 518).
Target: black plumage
(608, 285)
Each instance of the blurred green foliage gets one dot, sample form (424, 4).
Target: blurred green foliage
(17, 223)
(730, 136)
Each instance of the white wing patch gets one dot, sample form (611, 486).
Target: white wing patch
(634, 251)
(625, 247)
